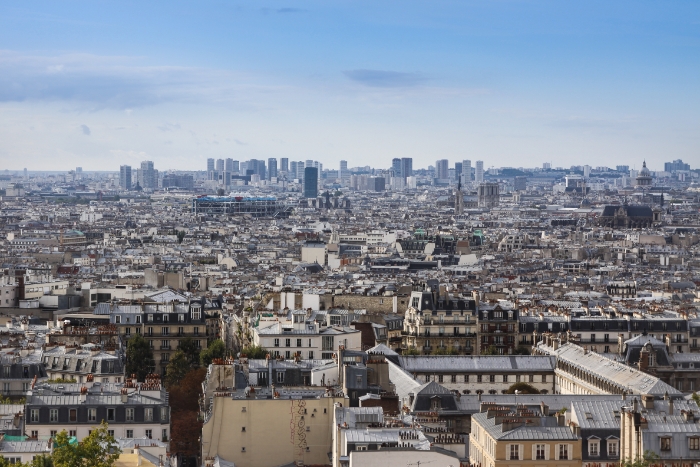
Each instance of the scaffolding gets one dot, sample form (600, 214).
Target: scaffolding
(237, 205)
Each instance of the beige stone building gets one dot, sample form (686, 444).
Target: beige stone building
(501, 437)
(271, 426)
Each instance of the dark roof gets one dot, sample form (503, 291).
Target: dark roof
(632, 211)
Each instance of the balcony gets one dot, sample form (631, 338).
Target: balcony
(165, 347)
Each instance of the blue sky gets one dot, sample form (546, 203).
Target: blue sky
(511, 82)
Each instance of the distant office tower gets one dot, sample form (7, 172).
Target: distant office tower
(125, 177)
(675, 166)
(211, 169)
(293, 169)
(459, 167)
(300, 170)
(257, 167)
(406, 167)
(479, 174)
(219, 165)
(309, 163)
(488, 194)
(310, 182)
(271, 168)
(78, 170)
(228, 165)
(396, 167)
(236, 167)
(442, 169)
(178, 181)
(623, 168)
(546, 166)
(467, 170)
(284, 164)
(520, 183)
(147, 176)
(586, 171)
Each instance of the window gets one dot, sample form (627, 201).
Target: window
(563, 451)
(539, 452)
(453, 379)
(165, 331)
(164, 436)
(514, 452)
(277, 342)
(73, 415)
(180, 318)
(129, 417)
(150, 318)
(163, 414)
(593, 447)
(165, 318)
(129, 433)
(298, 342)
(693, 444)
(532, 378)
(195, 330)
(34, 415)
(544, 378)
(73, 433)
(149, 434)
(53, 415)
(478, 378)
(612, 448)
(127, 331)
(280, 377)
(466, 378)
(666, 444)
(440, 379)
(505, 378)
(92, 415)
(311, 354)
(287, 342)
(287, 354)
(138, 319)
(196, 314)
(118, 319)
(492, 378)
(148, 414)
(110, 415)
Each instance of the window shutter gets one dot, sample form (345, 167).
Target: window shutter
(556, 452)
(534, 452)
(570, 451)
(521, 451)
(546, 452)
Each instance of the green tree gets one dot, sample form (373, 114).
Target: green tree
(254, 352)
(139, 357)
(216, 349)
(522, 350)
(647, 460)
(43, 460)
(523, 388)
(490, 350)
(98, 449)
(177, 369)
(191, 351)
(411, 351)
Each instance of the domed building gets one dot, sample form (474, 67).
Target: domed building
(644, 177)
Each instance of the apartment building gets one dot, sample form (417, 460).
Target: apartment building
(482, 374)
(498, 328)
(503, 437)
(132, 410)
(163, 325)
(436, 322)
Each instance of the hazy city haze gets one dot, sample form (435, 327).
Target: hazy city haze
(512, 83)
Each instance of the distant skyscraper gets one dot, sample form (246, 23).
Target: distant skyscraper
(406, 167)
(236, 167)
(396, 167)
(211, 167)
(147, 176)
(272, 168)
(546, 166)
(479, 174)
(586, 171)
(458, 170)
(442, 169)
(300, 170)
(228, 165)
(284, 164)
(219, 165)
(125, 177)
(310, 182)
(293, 169)
(467, 170)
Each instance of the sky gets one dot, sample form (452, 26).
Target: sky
(514, 83)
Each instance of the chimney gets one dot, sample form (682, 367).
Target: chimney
(648, 401)
(670, 406)
(688, 415)
(544, 408)
(635, 405)
(555, 344)
(137, 451)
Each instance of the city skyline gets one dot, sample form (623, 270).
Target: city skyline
(499, 82)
